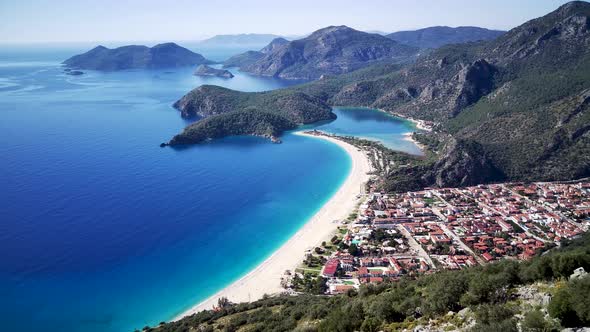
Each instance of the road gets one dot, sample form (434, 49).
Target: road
(415, 245)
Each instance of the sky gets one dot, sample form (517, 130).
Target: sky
(30, 21)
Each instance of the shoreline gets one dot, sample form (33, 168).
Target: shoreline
(266, 277)
(409, 136)
(420, 124)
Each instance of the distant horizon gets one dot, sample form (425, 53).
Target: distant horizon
(194, 21)
(290, 37)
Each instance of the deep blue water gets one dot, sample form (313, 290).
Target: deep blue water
(103, 230)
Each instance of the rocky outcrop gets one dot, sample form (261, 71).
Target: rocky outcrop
(204, 70)
(473, 82)
(462, 163)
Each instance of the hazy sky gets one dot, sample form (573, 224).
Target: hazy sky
(149, 20)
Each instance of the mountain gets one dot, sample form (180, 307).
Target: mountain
(250, 57)
(274, 45)
(136, 57)
(513, 108)
(332, 50)
(249, 39)
(243, 59)
(435, 37)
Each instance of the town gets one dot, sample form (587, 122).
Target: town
(413, 233)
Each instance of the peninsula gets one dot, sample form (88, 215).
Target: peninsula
(223, 112)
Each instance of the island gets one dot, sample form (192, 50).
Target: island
(167, 55)
(204, 70)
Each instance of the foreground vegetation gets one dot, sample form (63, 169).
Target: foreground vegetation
(483, 298)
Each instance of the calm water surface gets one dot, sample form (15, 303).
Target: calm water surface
(373, 125)
(102, 230)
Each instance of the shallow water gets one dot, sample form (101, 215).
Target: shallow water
(373, 125)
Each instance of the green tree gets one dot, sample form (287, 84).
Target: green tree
(494, 317)
(571, 303)
(444, 292)
(354, 250)
(534, 321)
(370, 324)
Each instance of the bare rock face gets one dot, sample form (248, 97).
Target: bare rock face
(462, 164)
(473, 82)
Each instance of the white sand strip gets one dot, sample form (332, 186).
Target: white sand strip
(266, 277)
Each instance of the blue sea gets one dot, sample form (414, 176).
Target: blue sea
(103, 230)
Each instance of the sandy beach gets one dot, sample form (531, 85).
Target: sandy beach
(410, 138)
(266, 277)
(420, 124)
